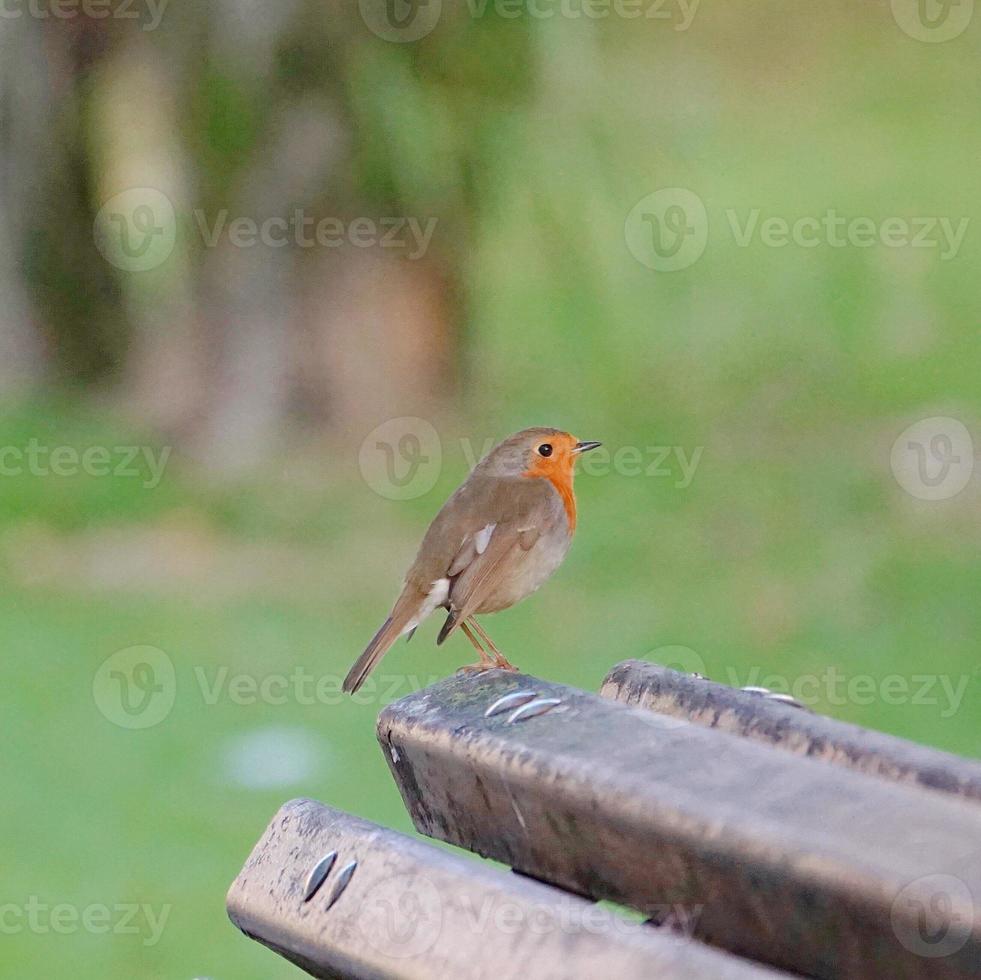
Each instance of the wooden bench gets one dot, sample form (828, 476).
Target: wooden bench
(749, 836)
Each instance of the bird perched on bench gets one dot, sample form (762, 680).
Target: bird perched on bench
(500, 536)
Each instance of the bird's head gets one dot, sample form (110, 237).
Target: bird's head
(538, 452)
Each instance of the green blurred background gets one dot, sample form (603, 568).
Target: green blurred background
(272, 544)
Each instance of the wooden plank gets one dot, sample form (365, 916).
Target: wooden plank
(411, 911)
(695, 699)
(807, 866)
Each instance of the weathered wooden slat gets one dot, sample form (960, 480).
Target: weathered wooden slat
(411, 911)
(695, 699)
(807, 866)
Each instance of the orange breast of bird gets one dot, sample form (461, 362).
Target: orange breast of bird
(558, 470)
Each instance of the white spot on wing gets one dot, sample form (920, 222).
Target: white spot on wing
(483, 538)
(438, 594)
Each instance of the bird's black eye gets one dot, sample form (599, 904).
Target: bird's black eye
(545, 449)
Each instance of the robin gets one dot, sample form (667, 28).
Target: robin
(496, 540)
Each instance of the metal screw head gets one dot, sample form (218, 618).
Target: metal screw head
(533, 709)
(788, 699)
(343, 880)
(512, 700)
(318, 875)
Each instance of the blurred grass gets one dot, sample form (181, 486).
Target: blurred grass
(792, 551)
(150, 816)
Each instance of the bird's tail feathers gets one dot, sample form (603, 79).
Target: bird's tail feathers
(451, 623)
(405, 610)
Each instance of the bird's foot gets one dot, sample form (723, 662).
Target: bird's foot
(496, 662)
(482, 665)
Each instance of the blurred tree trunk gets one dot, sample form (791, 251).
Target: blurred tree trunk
(25, 106)
(377, 338)
(248, 294)
(233, 109)
(135, 139)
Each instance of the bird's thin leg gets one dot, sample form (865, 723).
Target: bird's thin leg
(499, 659)
(485, 661)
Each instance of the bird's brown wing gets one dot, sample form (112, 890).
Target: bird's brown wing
(449, 547)
(482, 576)
(478, 573)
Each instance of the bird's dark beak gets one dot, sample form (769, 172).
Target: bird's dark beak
(584, 447)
